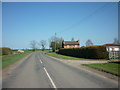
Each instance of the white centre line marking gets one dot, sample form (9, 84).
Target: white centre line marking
(54, 86)
(40, 61)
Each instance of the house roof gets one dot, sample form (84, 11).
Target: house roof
(112, 44)
(71, 42)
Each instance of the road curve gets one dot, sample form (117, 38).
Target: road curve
(41, 71)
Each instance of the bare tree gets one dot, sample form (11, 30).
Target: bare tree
(89, 43)
(116, 41)
(72, 39)
(33, 45)
(43, 44)
(55, 43)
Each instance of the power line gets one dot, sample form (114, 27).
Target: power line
(83, 19)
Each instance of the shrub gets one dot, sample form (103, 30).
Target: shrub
(92, 52)
(6, 51)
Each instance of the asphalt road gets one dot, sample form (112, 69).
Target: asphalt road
(41, 71)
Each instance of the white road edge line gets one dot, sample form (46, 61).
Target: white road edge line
(54, 86)
(40, 61)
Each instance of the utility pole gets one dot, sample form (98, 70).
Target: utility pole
(55, 41)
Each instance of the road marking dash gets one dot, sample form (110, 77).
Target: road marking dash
(54, 86)
(40, 61)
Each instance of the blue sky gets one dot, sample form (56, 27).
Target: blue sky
(26, 21)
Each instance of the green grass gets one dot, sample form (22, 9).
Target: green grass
(107, 67)
(0, 62)
(10, 59)
(0, 52)
(66, 57)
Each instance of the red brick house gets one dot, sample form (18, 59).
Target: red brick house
(70, 44)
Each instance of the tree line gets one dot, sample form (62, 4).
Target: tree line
(55, 43)
(34, 44)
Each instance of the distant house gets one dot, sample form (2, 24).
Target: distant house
(113, 49)
(70, 44)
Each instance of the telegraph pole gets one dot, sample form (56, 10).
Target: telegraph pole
(55, 41)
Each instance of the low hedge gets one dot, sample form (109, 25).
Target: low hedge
(91, 52)
(6, 51)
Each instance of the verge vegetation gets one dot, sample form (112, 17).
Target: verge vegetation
(67, 57)
(112, 68)
(12, 58)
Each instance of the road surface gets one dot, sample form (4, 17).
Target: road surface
(41, 71)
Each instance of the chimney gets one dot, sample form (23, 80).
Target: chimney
(78, 41)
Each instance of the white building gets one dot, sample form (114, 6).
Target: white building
(114, 50)
(20, 51)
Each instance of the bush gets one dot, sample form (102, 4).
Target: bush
(91, 52)
(6, 51)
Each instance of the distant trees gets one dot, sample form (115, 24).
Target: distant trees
(89, 43)
(43, 44)
(55, 43)
(33, 45)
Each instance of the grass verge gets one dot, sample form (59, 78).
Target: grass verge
(10, 59)
(112, 68)
(67, 57)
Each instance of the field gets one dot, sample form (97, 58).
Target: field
(112, 68)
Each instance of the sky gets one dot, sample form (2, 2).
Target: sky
(23, 22)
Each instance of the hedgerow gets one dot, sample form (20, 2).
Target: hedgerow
(92, 52)
(6, 51)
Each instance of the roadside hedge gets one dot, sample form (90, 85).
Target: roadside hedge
(91, 52)
(6, 51)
